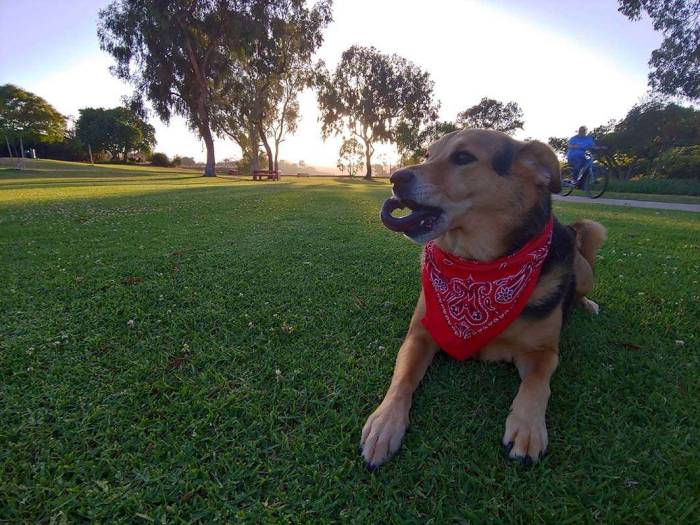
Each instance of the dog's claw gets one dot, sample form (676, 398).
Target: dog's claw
(371, 467)
(508, 447)
(526, 461)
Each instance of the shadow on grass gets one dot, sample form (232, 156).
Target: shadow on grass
(92, 181)
(360, 181)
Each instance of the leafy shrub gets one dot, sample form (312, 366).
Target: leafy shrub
(680, 163)
(160, 159)
(656, 186)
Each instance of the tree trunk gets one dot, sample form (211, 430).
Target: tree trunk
(253, 139)
(277, 152)
(368, 159)
(205, 132)
(210, 168)
(268, 149)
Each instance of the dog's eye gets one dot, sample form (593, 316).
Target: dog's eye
(462, 157)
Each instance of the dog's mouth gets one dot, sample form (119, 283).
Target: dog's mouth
(420, 222)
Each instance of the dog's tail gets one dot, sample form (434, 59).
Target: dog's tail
(590, 236)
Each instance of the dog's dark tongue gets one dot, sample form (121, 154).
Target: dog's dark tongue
(399, 224)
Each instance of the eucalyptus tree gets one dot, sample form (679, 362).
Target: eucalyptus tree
(350, 156)
(258, 95)
(372, 96)
(675, 65)
(492, 114)
(413, 143)
(283, 114)
(177, 53)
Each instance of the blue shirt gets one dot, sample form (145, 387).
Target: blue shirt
(578, 146)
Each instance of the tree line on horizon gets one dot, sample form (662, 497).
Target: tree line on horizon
(236, 69)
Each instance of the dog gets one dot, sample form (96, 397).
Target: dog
(482, 196)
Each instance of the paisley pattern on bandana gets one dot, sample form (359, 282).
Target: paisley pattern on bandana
(468, 303)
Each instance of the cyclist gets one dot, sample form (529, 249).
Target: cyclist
(576, 152)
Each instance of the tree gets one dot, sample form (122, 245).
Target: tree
(256, 102)
(28, 118)
(185, 161)
(492, 114)
(651, 128)
(558, 144)
(413, 143)
(372, 95)
(176, 53)
(118, 131)
(350, 156)
(675, 66)
(284, 112)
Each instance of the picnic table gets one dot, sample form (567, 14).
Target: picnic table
(267, 174)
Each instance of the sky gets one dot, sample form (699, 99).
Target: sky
(566, 62)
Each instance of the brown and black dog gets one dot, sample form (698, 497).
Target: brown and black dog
(481, 195)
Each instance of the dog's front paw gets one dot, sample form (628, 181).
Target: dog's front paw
(525, 438)
(383, 432)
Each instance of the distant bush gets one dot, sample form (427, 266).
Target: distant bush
(70, 148)
(680, 163)
(160, 159)
(657, 186)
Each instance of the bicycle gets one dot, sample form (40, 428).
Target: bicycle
(592, 178)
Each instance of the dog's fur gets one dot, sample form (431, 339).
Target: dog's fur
(491, 207)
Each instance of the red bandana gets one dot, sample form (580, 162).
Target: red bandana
(468, 303)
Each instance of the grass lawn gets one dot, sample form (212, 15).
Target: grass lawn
(179, 349)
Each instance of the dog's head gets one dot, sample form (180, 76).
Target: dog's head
(469, 177)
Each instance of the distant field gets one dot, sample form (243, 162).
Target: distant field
(180, 349)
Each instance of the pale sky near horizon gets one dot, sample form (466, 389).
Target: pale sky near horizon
(566, 63)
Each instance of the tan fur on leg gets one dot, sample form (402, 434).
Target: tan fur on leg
(385, 428)
(525, 436)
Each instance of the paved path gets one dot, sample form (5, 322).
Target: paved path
(633, 204)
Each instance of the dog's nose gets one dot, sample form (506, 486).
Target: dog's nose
(402, 178)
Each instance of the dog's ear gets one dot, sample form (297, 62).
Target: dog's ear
(542, 158)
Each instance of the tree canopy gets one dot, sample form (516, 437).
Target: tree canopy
(178, 54)
(413, 143)
(372, 95)
(492, 114)
(118, 131)
(29, 117)
(675, 66)
(350, 156)
(257, 100)
(651, 128)
(662, 137)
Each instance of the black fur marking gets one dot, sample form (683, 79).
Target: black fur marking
(503, 160)
(532, 223)
(561, 255)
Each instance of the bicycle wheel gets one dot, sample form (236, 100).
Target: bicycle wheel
(568, 183)
(597, 180)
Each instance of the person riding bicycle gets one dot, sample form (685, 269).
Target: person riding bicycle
(576, 152)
